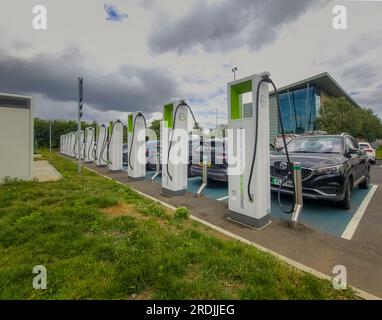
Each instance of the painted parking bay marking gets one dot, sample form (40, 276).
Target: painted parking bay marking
(194, 178)
(354, 222)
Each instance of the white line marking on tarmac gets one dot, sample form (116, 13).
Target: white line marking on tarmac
(223, 198)
(354, 222)
(194, 178)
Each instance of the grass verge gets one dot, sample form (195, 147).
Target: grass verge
(378, 154)
(100, 240)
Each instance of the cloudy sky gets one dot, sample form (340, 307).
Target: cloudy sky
(140, 54)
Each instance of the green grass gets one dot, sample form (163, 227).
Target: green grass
(378, 154)
(148, 252)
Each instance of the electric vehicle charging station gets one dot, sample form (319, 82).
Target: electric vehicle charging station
(89, 143)
(174, 171)
(101, 148)
(248, 184)
(67, 144)
(136, 146)
(62, 143)
(82, 145)
(115, 152)
(73, 143)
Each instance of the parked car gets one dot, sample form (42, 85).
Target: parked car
(151, 155)
(216, 154)
(369, 150)
(332, 166)
(125, 155)
(152, 150)
(216, 157)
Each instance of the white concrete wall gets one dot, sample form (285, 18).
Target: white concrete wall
(16, 140)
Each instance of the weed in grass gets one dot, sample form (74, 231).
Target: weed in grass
(152, 209)
(34, 217)
(182, 213)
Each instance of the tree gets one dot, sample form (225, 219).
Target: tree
(155, 126)
(59, 127)
(339, 115)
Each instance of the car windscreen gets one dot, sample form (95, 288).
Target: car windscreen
(364, 146)
(315, 145)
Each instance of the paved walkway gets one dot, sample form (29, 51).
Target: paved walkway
(43, 171)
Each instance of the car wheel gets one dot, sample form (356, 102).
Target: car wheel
(346, 202)
(366, 183)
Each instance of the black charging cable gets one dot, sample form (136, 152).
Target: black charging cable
(267, 79)
(290, 164)
(103, 144)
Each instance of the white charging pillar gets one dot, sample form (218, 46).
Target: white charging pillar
(174, 155)
(89, 138)
(101, 150)
(242, 127)
(136, 146)
(116, 146)
(82, 145)
(73, 144)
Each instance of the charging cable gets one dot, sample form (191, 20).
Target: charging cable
(289, 175)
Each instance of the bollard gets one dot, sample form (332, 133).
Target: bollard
(157, 168)
(204, 180)
(297, 180)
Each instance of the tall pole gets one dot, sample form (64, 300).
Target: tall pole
(216, 118)
(80, 100)
(234, 69)
(50, 135)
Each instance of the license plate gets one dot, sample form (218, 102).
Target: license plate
(201, 164)
(277, 182)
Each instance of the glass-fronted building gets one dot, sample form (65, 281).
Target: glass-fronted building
(300, 103)
(300, 109)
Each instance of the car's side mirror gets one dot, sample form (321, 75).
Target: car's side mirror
(352, 151)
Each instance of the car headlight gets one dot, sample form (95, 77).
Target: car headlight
(338, 169)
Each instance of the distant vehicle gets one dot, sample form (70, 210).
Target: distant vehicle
(151, 155)
(332, 166)
(152, 151)
(278, 141)
(369, 150)
(125, 155)
(217, 155)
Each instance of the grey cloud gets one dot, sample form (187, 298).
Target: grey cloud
(360, 74)
(362, 79)
(225, 25)
(362, 46)
(128, 89)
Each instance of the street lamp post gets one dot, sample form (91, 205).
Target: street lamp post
(234, 70)
(216, 117)
(50, 135)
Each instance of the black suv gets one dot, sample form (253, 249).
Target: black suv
(332, 166)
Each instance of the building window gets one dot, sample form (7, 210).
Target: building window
(299, 109)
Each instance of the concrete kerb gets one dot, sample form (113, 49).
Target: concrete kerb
(360, 293)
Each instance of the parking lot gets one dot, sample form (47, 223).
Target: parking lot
(319, 215)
